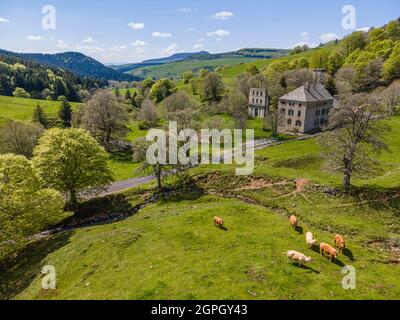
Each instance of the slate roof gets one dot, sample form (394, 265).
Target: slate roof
(308, 93)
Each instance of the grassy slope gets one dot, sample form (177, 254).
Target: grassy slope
(175, 69)
(22, 109)
(173, 251)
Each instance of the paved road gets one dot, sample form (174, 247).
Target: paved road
(119, 186)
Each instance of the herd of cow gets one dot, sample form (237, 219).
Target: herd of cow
(301, 258)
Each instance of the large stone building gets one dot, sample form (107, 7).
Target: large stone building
(258, 103)
(305, 109)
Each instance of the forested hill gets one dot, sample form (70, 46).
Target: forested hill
(28, 79)
(75, 62)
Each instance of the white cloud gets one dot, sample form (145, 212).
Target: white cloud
(223, 15)
(173, 48)
(186, 10)
(139, 43)
(198, 46)
(305, 36)
(365, 29)
(62, 45)
(300, 44)
(90, 49)
(88, 40)
(327, 37)
(116, 48)
(136, 25)
(4, 20)
(219, 33)
(161, 35)
(200, 40)
(35, 38)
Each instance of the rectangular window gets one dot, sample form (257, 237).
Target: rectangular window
(299, 113)
(317, 112)
(323, 111)
(261, 101)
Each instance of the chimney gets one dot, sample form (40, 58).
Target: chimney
(318, 75)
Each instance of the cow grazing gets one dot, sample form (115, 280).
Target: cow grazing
(340, 243)
(218, 222)
(310, 240)
(293, 221)
(325, 248)
(300, 258)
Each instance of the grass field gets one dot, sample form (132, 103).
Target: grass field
(175, 70)
(22, 109)
(171, 250)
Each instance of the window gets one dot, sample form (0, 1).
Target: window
(253, 92)
(299, 113)
(291, 112)
(283, 110)
(300, 105)
(284, 103)
(323, 111)
(317, 112)
(322, 121)
(253, 100)
(256, 100)
(316, 122)
(289, 122)
(298, 123)
(261, 94)
(261, 100)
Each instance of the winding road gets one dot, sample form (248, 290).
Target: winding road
(119, 186)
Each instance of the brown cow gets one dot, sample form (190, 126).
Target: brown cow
(293, 221)
(325, 248)
(340, 243)
(218, 222)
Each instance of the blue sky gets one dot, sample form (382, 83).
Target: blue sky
(122, 31)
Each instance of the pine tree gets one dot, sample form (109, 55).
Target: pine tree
(39, 116)
(117, 93)
(65, 113)
(128, 95)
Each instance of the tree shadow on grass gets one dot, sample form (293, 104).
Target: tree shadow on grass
(17, 273)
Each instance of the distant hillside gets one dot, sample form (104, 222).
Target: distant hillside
(176, 57)
(174, 70)
(155, 67)
(75, 62)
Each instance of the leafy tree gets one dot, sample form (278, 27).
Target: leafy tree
(391, 67)
(187, 76)
(25, 207)
(392, 30)
(273, 120)
(148, 83)
(140, 147)
(330, 85)
(356, 40)
(161, 89)
(139, 98)
(236, 104)
(19, 138)
(39, 116)
(275, 68)
(71, 161)
(335, 61)
(349, 149)
(148, 113)
(319, 60)
(21, 93)
(203, 73)
(390, 97)
(252, 69)
(105, 119)
(212, 88)
(65, 113)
